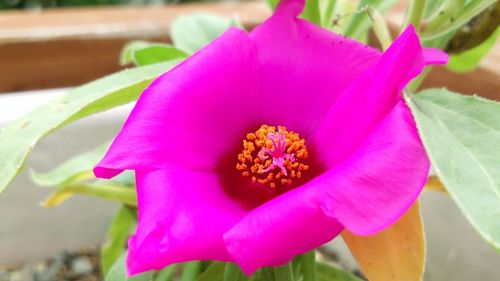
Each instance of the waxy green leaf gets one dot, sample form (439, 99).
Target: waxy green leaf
(327, 272)
(18, 139)
(118, 272)
(360, 23)
(190, 270)
(191, 33)
(167, 273)
(75, 169)
(110, 192)
(215, 271)
(233, 273)
(461, 135)
(470, 59)
(144, 53)
(311, 11)
(121, 227)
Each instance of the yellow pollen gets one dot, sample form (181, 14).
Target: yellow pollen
(273, 156)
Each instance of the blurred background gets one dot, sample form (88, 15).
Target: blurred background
(38, 4)
(50, 46)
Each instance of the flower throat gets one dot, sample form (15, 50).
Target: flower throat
(273, 156)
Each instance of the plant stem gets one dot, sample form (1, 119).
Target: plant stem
(414, 14)
(380, 28)
(283, 273)
(234, 273)
(468, 12)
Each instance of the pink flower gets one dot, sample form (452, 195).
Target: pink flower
(340, 148)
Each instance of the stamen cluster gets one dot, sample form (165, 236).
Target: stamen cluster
(273, 156)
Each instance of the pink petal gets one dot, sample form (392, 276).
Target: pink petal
(365, 193)
(367, 101)
(190, 115)
(372, 188)
(274, 233)
(303, 68)
(434, 56)
(182, 217)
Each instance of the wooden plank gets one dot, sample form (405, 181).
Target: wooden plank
(68, 47)
(117, 21)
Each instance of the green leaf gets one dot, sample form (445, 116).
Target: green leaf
(114, 193)
(326, 272)
(471, 9)
(327, 11)
(158, 53)
(121, 227)
(283, 273)
(311, 11)
(166, 274)
(75, 169)
(461, 135)
(215, 272)
(118, 272)
(234, 273)
(360, 22)
(190, 270)
(127, 54)
(273, 4)
(307, 266)
(447, 10)
(191, 33)
(17, 139)
(144, 53)
(470, 59)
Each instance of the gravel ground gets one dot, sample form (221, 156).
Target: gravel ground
(67, 266)
(84, 265)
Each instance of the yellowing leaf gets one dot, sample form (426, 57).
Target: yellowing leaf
(397, 253)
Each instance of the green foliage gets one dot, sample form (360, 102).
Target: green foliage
(273, 3)
(360, 23)
(470, 59)
(75, 169)
(312, 11)
(190, 270)
(452, 15)
(118, 272)
(214, 272)
(461, 135)
(121, 227)
(191, 33)
(18, 139)
(166, 274)
(143, 53)
(327, 272)
(110, 192)
(233, 273)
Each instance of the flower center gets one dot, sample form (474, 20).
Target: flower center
(273, 156)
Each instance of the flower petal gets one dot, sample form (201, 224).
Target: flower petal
(365, 193)
(434, 56)
(182, 217)
(367, 101)
(190, 115)
(372, 188)
(274, 233)
(303, 67)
